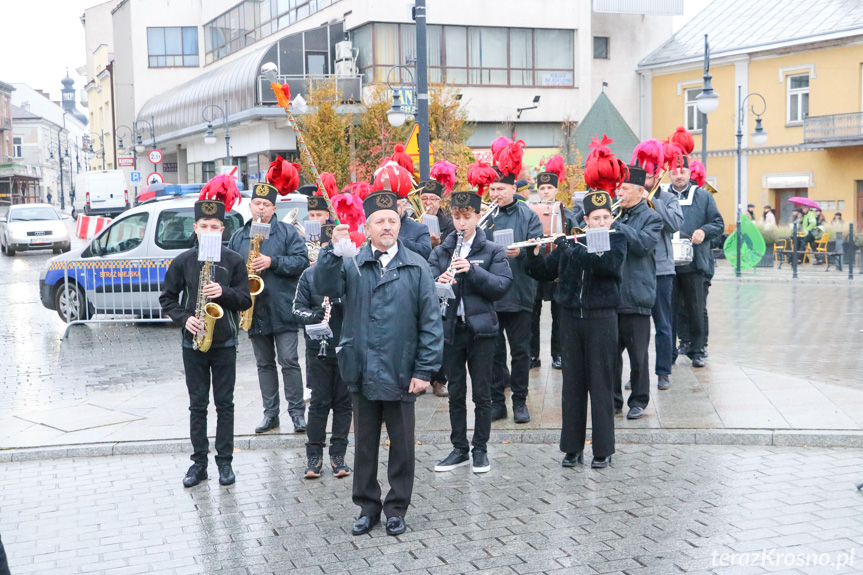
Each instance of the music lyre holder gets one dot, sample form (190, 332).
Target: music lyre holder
(313, 230)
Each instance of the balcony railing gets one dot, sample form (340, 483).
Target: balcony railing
(834, 129)
(350, 87)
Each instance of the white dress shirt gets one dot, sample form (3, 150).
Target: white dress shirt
(387, 256)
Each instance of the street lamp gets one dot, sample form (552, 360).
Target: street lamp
(759, 138)
(60, 154)
(91, 153)
(397, 115)
(706, 102)
(139, 142)
(210, 136)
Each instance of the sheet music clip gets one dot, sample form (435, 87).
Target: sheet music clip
(260, 229)
(319, 331)
(210, 247)
(598, 240)
(444, 291)
(432, 224)
(504, 237)
(313, 230)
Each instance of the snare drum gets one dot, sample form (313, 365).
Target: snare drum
(682, 250)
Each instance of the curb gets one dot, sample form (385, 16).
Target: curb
(763, 437)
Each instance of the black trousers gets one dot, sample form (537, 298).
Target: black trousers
(400, 420)
(536, 336)
(688, 292)
(634, 337)
(4, 564)
(475, 354)
(516, 325)
(218, 365)
(588, 369)
(662, 322)
(683, 321)
(329, 393)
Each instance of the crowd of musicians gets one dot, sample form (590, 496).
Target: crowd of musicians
(396, 294)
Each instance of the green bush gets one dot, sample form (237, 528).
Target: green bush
(773, 233)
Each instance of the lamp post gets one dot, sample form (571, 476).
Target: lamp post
(91, 153)
(397, 115)
(759, 138)
(706, 102)
(422, 88)
(210, 136)
(140, 148)
(122, 147)
(60, 153)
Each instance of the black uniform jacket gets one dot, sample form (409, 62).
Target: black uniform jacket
(642, 228)
(525, 225)
(309, 309)
(415, 236)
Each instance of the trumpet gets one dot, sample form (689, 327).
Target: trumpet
(547, 240)
(491, 212)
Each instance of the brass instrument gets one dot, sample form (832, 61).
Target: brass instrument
(256, 283)
(416, 204)
(293, 219)
(206, 311)
(491, 212)
(444, 290)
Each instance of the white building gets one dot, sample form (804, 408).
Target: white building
(173, 58)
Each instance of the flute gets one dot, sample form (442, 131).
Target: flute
(546, 240)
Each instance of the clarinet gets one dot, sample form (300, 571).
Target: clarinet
(322, 352)
(444, 300)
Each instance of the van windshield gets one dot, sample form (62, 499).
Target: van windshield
(34, 214)
(174, 229)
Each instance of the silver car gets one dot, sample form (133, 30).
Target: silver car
(33, 227)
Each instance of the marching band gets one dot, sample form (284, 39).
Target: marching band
(399, 285)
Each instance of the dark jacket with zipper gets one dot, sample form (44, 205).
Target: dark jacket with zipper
(589, 283)
(287, 251)
(309, 309)
(391, 330)
(546, 290)
(642, 228)
(180, 296)
(487, 281)
(415, 236)
(699, 212)
(525, 225)
(445, 224)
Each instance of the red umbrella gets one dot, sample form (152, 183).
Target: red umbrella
(804, 202)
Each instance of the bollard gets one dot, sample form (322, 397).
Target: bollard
(794, 250)
(850, 251)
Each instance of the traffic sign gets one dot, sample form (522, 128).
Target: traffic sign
(155, 156)
(155, 178)
(135, 177)
(412, 148)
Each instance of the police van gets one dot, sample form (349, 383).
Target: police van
(122, 270)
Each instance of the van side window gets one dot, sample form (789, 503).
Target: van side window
(124, 235)
(175, 231)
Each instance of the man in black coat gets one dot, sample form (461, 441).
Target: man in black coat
(390, 347)
(479, 275)
(702, 222)
(515, 310)
(431, 195)
(229, 289)
(414, 235)
(641, 226)
(274, 331)
(589, 296)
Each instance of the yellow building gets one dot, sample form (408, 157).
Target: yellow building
(100, 109)
(806, 60)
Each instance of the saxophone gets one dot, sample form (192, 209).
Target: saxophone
(206, 311)
(256, 284)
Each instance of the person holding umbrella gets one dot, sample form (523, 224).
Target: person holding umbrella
(806, 232)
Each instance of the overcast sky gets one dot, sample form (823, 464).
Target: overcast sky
(41, 38)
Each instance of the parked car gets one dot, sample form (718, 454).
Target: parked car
(101, 193)
(121, 271)
(27, 227)
(160, 190)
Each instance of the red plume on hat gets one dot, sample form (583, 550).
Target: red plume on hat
(444, 172)
(497, 147)
(398, 178)
(698, 172)
(328, 179)
(649, 155)
(222, 188)
(480, 175)
(509, 159)
(361, 189)
(683, 139)
(284, 175)
(401, 158)
(673, 155)
(556, 165)
(603, 171)
(349, 210)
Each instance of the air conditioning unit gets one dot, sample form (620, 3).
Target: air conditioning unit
(345, 51)
(346, 68)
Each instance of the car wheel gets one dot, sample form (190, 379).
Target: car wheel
(74, 214)
(66, 248)
(57, 251)
(9, 251)
(70, 302)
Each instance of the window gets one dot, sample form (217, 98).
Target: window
(172, 47)
(798, 98)
(17, 145)
(600, 47)
(175, 231)
(693, 116)
(122, 236)
(208, 171)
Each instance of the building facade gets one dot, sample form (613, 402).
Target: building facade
(807, 64)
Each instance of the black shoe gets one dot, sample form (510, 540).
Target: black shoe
(196, 474)
(520, 414)
(683, 349)
(618, 411)
(267, 424)
(340, 469)
(480, 462)
(600, 462)
(455, 459)
(226, 474)
(313, 469)
(364, 524)
(557, 363)
(396, 525)
(299, 423)
(628, 385)
(570, 459)
(535, 362)
(663, 382)
(704, 352)
(698, 362)
(635, 413)
(498, 411)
